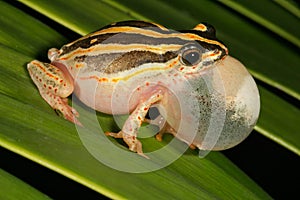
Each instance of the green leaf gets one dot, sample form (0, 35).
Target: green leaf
(16, 189)
(269, 17)
(290, 6)
(29, 127)
(56, 10)
(279, 121)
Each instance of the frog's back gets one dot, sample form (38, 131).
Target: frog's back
(123, 47)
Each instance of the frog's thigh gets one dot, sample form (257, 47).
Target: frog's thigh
(134, 121)
(54, 86)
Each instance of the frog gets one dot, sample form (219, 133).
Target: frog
(128, 62)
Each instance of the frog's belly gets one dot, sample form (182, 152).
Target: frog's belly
(111, 98)
(99, 96)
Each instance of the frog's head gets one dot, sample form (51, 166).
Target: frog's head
(201, 49)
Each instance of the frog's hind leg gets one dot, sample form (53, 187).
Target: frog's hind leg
(54, 86)
(157, 119)
(165, 129)
(133, 123)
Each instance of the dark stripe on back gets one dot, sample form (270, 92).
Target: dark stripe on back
(137, 38)
(86, 43)
(121, 38)
(134, 59)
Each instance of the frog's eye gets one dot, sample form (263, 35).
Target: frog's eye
(191, 55)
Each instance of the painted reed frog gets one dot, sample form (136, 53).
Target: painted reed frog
(127, 67)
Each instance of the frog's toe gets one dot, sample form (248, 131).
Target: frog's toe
(73, 117)
(193, 146)
(69, 114)
(115, 135)
(135, 146)
(133, 143)
(159, 136)
(142, 154)
(75, 113)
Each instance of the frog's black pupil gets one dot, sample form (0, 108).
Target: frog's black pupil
(191, 58)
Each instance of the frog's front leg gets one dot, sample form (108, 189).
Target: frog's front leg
(133, 123)
(54, 86)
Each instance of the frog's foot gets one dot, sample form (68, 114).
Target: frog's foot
(193, 146)
(66, 111)
(54, 85)
(133, 143)
(166, 129)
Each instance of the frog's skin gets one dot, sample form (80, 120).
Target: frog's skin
(129, 61)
